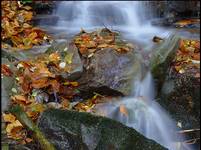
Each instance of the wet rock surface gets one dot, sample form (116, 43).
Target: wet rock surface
(74, 130)
(176, 70)
(161, 57)
(7, 83)
(180, 95)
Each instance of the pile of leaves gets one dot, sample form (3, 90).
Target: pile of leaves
(187, 22)
(17, 31)
(89, 43)
(40, 86)
(187, 58)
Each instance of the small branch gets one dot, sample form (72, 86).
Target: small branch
(24, 119)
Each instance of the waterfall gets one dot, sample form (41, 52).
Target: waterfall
(144, 114)
(87, 14)
(140, 111)
(128, 17)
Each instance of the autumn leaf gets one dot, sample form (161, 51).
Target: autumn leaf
(20, 99)
(40, 83)
(6, 70)
(65, 103)
(8, 117)
(71, 83)
(123, 110)
(68, 58)
(54, 57)
(55, 85)
(15, 125)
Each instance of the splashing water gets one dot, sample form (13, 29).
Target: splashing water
(143, 114)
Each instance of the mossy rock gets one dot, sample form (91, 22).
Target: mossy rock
(69, 130)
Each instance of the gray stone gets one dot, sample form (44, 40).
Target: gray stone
(110, 71)
(180, 96)
(69, 130)
(7, 83)
(67, 48)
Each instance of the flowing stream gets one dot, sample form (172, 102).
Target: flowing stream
(139, 111)
(144, 114)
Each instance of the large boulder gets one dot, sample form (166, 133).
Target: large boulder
(178, 81)
(111, 72)
(69, 130)
(180, 96)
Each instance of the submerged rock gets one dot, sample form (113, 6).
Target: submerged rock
(162, 56)
(74, 130)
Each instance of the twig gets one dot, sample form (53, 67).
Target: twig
(24, 119)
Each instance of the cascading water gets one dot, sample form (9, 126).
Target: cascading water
(143, 114)
(139, 111)
(125, 16)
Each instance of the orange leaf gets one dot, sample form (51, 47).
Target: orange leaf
(55, 85)
(123, 110)
(40, 83)
(20, 99)
(196, 56)
(6, 70)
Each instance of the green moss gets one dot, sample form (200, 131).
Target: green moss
(106, 134)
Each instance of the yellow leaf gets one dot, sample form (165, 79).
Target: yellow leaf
(54, 57)
(38, 108)
(28, 16)
(16, 125)
(9, 118)
(68, 58)
(71, 83)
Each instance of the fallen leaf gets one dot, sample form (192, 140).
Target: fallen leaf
(16, 125)
(8, 117)
(40, 83)
(68, 58)
(123, 110)
(6, 70)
